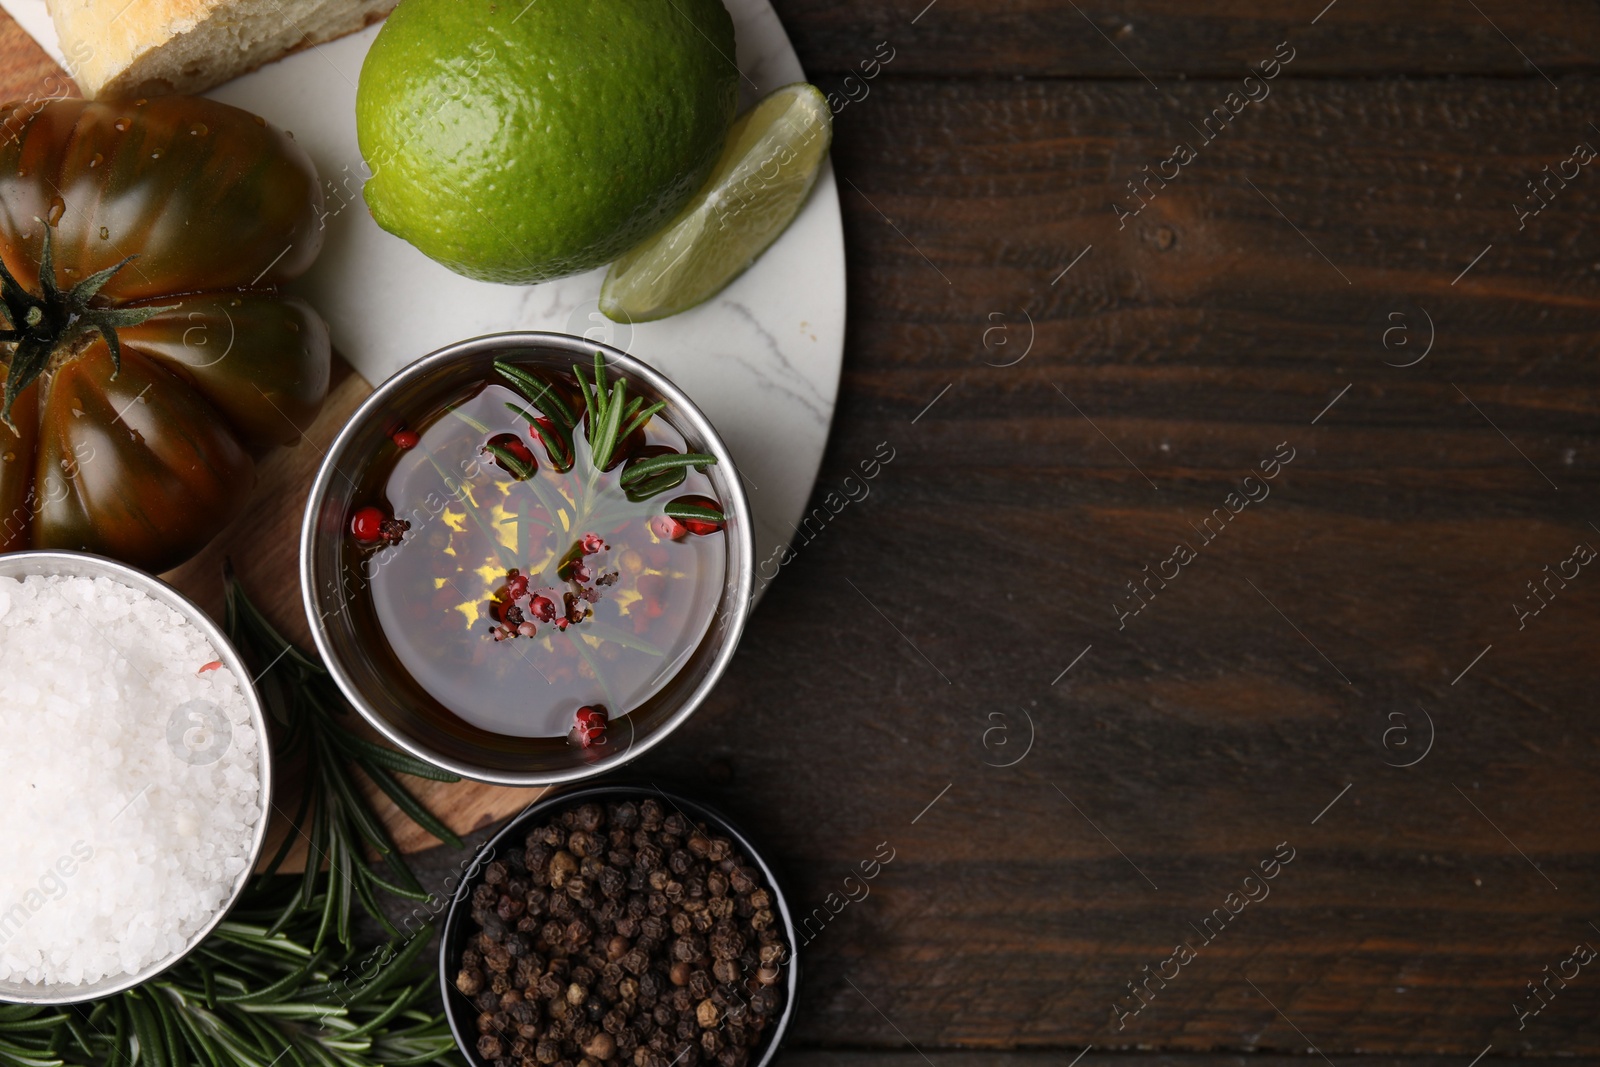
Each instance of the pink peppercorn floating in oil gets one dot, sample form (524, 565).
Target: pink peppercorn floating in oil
(590, 726)
(537, 572)
(370, 526)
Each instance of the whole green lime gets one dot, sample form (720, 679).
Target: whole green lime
(519, 140)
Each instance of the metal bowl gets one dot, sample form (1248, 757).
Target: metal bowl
(85, 565)
(460, 1012)
(356, 655)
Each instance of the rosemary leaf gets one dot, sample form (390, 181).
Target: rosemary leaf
(457, 413)
(508, 459)
(643, 417)
(695, 511)
(408, 804)
(540, 393)
(603, 437)
(602, 631)
(363, 751)
(650, 487)
(556, 446)
(656, 464)
(590, 399)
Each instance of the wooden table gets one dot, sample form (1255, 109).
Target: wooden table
(954, 665)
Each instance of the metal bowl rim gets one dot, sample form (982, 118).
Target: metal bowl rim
(575, 346)
(15, 565)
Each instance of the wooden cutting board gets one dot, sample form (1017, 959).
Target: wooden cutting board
(264, 545)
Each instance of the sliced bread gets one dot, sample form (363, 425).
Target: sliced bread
(130, 48)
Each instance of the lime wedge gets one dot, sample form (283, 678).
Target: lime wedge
(768, 166)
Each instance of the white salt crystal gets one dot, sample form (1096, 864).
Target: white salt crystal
(126, 835)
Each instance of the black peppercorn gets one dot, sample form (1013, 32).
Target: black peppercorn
(603, 942)
(650, 815)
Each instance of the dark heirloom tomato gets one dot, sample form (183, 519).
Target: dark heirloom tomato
(151, 356)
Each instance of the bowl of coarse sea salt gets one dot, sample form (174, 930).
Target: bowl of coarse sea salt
(135, 776)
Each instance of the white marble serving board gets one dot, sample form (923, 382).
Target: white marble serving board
(762, 358)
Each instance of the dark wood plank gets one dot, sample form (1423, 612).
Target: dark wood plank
(1211, 39)
(991, 551)
(789, 1057)
(945, 612)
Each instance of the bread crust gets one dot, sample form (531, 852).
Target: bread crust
(141, 48)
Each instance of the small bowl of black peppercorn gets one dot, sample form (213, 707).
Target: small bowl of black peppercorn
(619, 926)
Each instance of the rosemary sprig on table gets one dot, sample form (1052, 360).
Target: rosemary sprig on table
(249, 997)
(268, 985)
(343, 828)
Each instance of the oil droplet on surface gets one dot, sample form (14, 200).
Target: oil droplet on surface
(58, 207)
(121, 125)
(156, 154)
(105, 233)
(260, 121)
(96, 160)
(9, 457)
(199, 129)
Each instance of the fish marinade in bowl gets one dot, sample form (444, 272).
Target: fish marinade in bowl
(527, 558)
